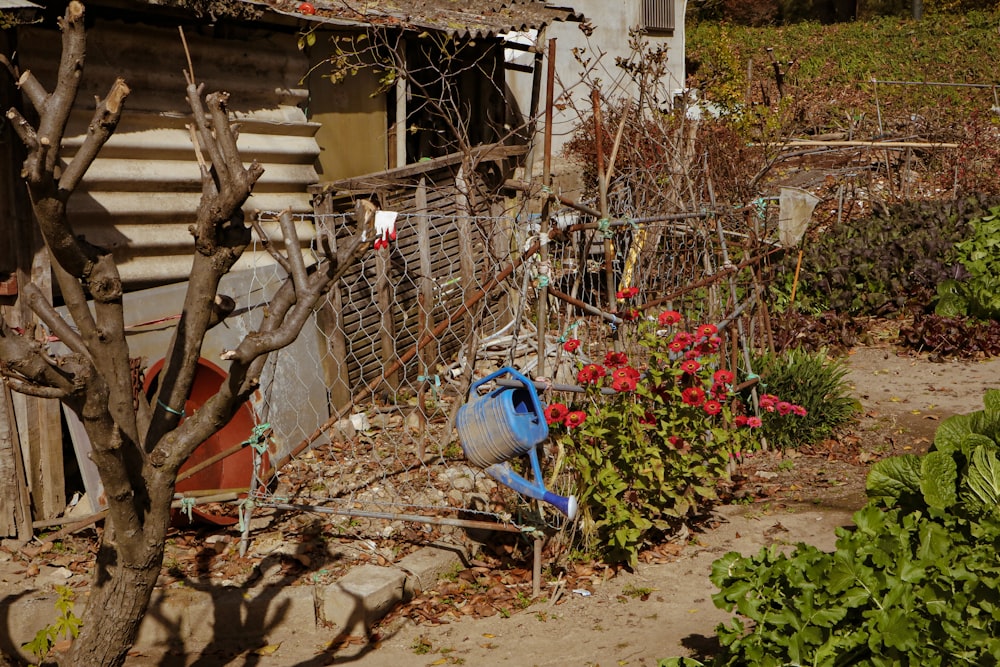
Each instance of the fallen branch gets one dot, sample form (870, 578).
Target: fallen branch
(794, 143)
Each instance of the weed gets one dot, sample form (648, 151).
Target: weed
(66, 625)
(522, 600)
(637, 591)
(421, 646)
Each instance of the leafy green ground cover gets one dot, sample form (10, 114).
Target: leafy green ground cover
(917, 581)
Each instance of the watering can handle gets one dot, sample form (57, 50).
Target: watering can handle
(507, 370)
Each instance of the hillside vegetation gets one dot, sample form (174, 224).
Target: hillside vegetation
(828, 71)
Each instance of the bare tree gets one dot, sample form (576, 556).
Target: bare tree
(139, 451)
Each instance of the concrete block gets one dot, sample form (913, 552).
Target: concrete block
(363, 596)
(425, 566)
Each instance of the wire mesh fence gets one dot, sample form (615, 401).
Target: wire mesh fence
(407, 330)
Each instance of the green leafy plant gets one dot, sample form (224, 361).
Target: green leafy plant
(917, 581)
(978, 294)
(881, 264)
(811, 380)
(66, 625)
(649, 447)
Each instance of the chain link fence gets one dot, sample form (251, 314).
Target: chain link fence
(455, 297)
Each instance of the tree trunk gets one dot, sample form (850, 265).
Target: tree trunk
(118, 601)
(116, 607)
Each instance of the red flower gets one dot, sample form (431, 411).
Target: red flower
(572, 345)
(722, 376)
(307, 8)
(615, 359)
(590, 374)
(676, 346)
(575, 418)
(740, 420)
(799, 410)
(693, 396)
(555, 413)
(784, 407)
(768, 401)
(626, 372)
(719, 391)
(706, 330)
(674, 440)
(647, 418)
(690, 366)
(754, 422)
(668, 318)
(630, 315)
(627, 293)
(623, 384)
(684, 338)
(712, 407)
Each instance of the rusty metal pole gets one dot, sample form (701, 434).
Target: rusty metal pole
(605, 222)
(544, 272)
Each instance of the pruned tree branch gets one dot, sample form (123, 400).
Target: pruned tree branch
(220, 239)
(22, 387)
(56, 108)
(23, 129)
(293, 250)
(102, 126)
(27, 361)
(269, 247)
(55, 322)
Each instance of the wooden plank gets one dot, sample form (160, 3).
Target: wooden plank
(330, 318)
(384, 301)
(15, 504)
(39, 423)
(392, 177)
(467, 266)
(428, 354)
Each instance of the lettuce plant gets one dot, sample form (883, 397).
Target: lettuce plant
(916, 582)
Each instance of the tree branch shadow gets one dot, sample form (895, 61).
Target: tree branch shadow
(244, 616)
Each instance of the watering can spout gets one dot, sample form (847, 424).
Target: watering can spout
(503, 473)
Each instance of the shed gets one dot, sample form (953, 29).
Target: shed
(140, 195)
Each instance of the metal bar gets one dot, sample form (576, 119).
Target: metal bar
(935, 83)
(543, 292)
(435, 520)
(613, 319)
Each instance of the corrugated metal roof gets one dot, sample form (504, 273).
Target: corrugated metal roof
(142, 193)
(464, 18)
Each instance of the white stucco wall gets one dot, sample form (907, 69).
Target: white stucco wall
(611, 21)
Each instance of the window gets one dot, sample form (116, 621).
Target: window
(658, 15)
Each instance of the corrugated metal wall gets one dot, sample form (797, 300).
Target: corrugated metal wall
(140, 196)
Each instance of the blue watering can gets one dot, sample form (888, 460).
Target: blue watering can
(502, 424)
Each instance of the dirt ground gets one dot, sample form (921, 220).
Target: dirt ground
(665, 608)
(592, 616)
